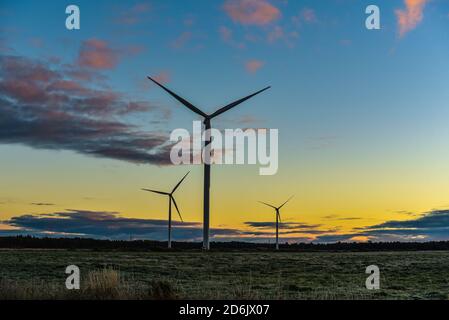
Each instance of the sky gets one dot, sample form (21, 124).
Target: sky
(362, 118)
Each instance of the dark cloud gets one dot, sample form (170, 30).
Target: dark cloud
(284, 225)
(42, 204)
(329, 238)
(45, 107)
(110, 225)
(338, 218)
(432, 226)
(263, 229)
(97, 224)
(433, 220)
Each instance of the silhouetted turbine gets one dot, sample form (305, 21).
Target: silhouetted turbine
(170, 199)
(207, 126)
(278, 218)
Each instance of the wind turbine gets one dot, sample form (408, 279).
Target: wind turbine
(278, 218)
(170, 199)
(207, 127)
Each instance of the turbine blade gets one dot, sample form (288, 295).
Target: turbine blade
(155, 191)
(268, 205)
(235, 103)
(176, 187)
(180, 99)
(176, 206)
(279, 216)
(286, 202)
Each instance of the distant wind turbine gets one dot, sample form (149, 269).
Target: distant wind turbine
(170, 200)
(278, 218)
(207, 127)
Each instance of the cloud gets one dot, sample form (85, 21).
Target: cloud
(98, 224)
(45, 107)
(110, 225)
(107, 225)
(338, 218)
(308, 15)
(434, 220)
(278, 33)
(97, 54)
(275, 34)
(252, 66)
(411, 16)
(162, 77)
(264, 229)
(432, 226)
(225, 33)
(182, 40)
(283, 225)
(251, 12)
(247, 120)
(42, 204)
(134, 14)
(37, 42)
(227, 37)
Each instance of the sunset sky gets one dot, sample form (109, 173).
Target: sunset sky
(362, 117)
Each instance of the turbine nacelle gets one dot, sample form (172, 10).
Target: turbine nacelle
(170, 194)
(278, 218)
(207, 124)
(207, 117)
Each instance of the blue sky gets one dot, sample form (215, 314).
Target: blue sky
(361, 113)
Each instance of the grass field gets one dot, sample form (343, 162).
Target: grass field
(41, 274)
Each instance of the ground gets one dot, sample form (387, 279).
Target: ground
(226, 275)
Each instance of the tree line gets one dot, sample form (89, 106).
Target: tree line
(30, 242)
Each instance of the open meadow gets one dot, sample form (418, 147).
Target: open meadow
(40, 274)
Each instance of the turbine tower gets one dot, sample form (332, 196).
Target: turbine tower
(278, 218)
(170, 200)
(207, 127)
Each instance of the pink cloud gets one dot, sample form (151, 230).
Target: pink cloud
(42, 107)
(96, 54)
(181, 40)
(163, 77)
(227, 37)
(256, 12)
(275, 34)
(134, 14)
(279, 34)
(308, 15)
(411, 16)
(252, 66)
(225, 33)
(345, 42)
(37, 42)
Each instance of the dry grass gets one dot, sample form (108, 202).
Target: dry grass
(222, 275)
(104, 284)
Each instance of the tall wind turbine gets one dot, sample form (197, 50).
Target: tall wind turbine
(278, 218)
(170, 200)
(207, 127)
